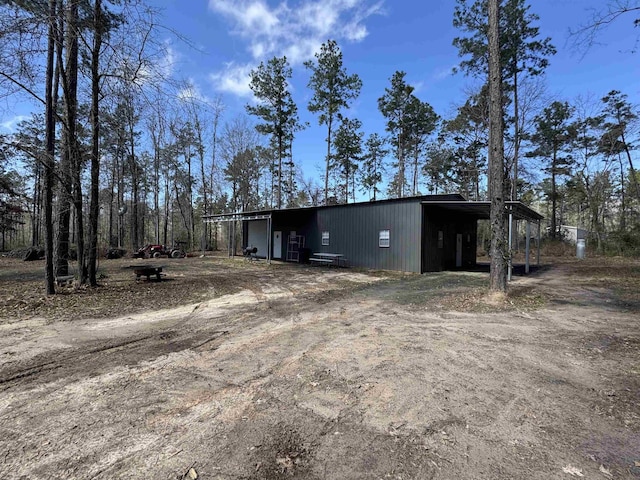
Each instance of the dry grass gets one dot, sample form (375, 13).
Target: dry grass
(190, 280)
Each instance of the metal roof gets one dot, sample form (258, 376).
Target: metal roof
(451, 202)
(482, 210)
(234, 217)
(254, 214)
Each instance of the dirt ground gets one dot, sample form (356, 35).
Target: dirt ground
(230, 369)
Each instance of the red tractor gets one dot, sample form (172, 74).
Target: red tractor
(156, 251)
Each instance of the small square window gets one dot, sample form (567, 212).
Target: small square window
(383, 239)
(325, 238)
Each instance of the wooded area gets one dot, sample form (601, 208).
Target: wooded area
(122, 155)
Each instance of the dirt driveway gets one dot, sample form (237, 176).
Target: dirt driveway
(313, 373)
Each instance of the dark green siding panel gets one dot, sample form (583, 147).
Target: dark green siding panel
(354, 231)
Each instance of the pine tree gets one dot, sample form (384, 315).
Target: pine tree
(469, 133)
(373, 166)
(395, 106)
(269, 83)
(422, 121)
(333, 90)
(522, 54)
(620, 116)
(347, 145)
(552, 141)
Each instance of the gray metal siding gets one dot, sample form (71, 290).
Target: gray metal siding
(354, 230)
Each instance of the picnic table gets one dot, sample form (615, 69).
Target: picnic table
(147, 271)
(322, 258)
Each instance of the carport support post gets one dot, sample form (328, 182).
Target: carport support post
(232, 239)
(269, 240)
(538, 255)
(527, 244)
(510, 264)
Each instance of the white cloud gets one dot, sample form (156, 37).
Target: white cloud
(233, 79)
(249, 15)
(417, 86)
(443, 72)
(355, 32)
(12, 123)
(296, 29)
(303, 50)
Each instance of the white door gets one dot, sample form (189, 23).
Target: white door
(459, 250)
(277, 244)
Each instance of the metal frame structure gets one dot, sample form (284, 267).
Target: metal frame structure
(239, 217)
(516, 211)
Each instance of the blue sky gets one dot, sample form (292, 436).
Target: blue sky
(377, 37)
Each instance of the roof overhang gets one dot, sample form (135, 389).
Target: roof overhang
(482, 210)
(235, 217)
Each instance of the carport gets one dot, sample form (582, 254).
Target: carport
(420, 234)
(478, 210)
(233, 218)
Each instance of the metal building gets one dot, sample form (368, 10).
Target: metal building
(414, 234)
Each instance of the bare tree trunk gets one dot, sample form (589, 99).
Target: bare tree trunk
(498, 275)
(632, 171)
(133, 168)
(217, 112)
(554, 193)
(65, 183)
(516, 153)
(326, 172)
(36, 205)
(205, 189)
(184, 215)
(623, 206)
(142, 210)
(121, 202)
(191, 226)
(516, 138)
(401, 166)
(50, 135)
(291, 175)
(279, 172)
(157, 133)
(353, 187)
(156, 192)
(167, 200)
(71, 110)
(414, 182)
(112, 197)
(135, 214)
(94, 209)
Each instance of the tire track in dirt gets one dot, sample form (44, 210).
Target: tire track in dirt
(204, 325)
(333, 385)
